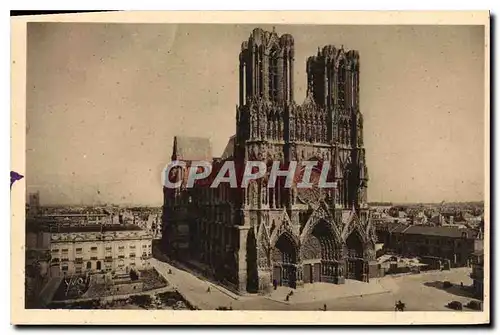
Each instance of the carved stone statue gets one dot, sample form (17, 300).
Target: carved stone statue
(298, 130)
(359, 129)
(269, 126)
(361, 164)
(281, 129)
(253, 132)
(362, 194)
(253, 194)
(263, 124)
(303, 127)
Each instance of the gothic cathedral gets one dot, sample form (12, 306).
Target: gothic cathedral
(303, 235)
(290, 236)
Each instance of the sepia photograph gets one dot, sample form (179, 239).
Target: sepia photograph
(270, 166)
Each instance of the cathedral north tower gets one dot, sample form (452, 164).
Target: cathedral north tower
(266, 68)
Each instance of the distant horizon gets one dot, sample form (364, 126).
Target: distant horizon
(160, 205)
(104, 102)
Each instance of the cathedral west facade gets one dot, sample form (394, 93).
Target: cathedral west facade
(249, 238)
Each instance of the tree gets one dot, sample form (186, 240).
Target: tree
(133, 275)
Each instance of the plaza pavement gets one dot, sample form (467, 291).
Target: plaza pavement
(420, 292)
(318, 292)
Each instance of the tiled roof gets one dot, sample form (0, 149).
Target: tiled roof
(446, 231)
(229, 150)
(391, 226)
(398, 228)
(95, 228)
(192, 148)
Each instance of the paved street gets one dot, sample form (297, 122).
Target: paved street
(420, 292)
(193, 288)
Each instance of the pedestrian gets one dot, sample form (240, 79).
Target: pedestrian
(324, 307)
(208, 289)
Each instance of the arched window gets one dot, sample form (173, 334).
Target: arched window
(89, 265)
(260, 70)
(273, 74)
(341, 83)
(347, 133)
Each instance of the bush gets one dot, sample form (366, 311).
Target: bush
(141, 300)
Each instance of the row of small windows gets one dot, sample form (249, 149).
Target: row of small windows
(203, 195)
(94, 249)
(436, 242)
(56, 261)
(89, 266)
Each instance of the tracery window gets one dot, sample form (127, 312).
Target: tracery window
(273, 74)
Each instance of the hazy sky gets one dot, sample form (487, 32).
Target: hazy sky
(105, 100)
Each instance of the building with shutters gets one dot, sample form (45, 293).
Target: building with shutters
(98, 249)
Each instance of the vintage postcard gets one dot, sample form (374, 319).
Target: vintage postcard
(251, 168)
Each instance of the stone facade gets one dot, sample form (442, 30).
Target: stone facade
(78, 250)
(251, 237)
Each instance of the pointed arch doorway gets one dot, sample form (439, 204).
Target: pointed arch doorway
(284, 257)
(355, 263)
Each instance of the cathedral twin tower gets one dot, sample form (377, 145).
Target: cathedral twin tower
(329, 116)
(266, 67)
